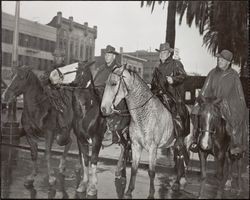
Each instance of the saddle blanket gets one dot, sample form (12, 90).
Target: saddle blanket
(64, 75)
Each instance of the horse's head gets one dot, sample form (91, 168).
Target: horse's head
(83, 76)
(18, 83)
(209, 120)
(117, 88)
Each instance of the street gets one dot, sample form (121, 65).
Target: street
(16, 165)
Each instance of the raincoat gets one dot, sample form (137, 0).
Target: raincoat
(226, 86)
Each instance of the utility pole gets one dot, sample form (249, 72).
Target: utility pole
(12, 118)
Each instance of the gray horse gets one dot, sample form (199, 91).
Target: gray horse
(151, 125)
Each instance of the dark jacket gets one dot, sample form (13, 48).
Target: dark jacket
(173, 68)
(171, 94)
(118, 122)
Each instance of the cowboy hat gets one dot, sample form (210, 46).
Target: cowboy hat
(110, 49)
(164, 47)
(225, 54)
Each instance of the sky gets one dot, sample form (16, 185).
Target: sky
(124, 24)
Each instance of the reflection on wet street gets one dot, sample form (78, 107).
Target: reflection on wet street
(16, 164)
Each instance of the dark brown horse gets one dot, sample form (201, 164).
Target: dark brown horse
(213, 139)
(40, 118)
(90, 126)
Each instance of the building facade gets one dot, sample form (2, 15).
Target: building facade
(152, 60)
(74, 41)
(36, 44)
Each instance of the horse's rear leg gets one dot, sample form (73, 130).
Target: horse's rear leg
(181, 159)
(62, 164)
(83, 151)
(33, 150)
(151, 171)
(136, 155)
(48, 145)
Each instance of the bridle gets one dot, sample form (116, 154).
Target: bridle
(125, 111)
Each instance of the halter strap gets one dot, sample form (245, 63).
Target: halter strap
(121, 112)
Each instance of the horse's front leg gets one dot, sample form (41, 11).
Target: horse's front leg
(33, 150)
(220, 165)
(151, 171)
(239, 170)
(229, 180)
(48, 145)
(119, 166)
(84, 158)
(203, 162)
(96, 146)
(62, 165)
(136, 156)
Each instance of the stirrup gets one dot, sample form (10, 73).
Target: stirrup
(193, 147)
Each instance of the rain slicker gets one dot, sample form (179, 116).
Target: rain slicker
(226, 85)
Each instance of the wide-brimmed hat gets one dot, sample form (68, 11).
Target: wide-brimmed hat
(164, 47)
(226, 54)
(110, 49)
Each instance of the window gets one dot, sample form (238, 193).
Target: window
(7, 59)
(187, 95)
(81, 51)
(7, 36)
(87, 52)
(197, 92)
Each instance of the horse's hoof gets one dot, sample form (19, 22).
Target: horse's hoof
(228, 186)
(92, 191)
(29, 183)
(52, 180)
(82, 187)
(176, 187)
(128, 196)
(59, 195)
(151, 196)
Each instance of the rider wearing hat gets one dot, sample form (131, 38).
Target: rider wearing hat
(116, 124)
(223, 83)
(167, 79)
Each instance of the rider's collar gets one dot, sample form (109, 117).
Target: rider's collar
(166, 61)
(111, 65)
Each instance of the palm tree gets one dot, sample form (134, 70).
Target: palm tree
(223, 23)
(171, 13)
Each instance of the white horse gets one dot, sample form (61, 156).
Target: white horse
(151, 123)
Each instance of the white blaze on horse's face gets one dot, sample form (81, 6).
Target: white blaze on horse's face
(115, 91)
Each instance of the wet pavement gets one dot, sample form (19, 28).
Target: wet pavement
(16, 165)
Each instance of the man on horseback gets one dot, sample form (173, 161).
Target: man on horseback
(116, 124)
(223, 83)
(166, 84)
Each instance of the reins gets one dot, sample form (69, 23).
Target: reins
(125, 111)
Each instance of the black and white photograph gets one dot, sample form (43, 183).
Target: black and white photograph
(125, 99)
